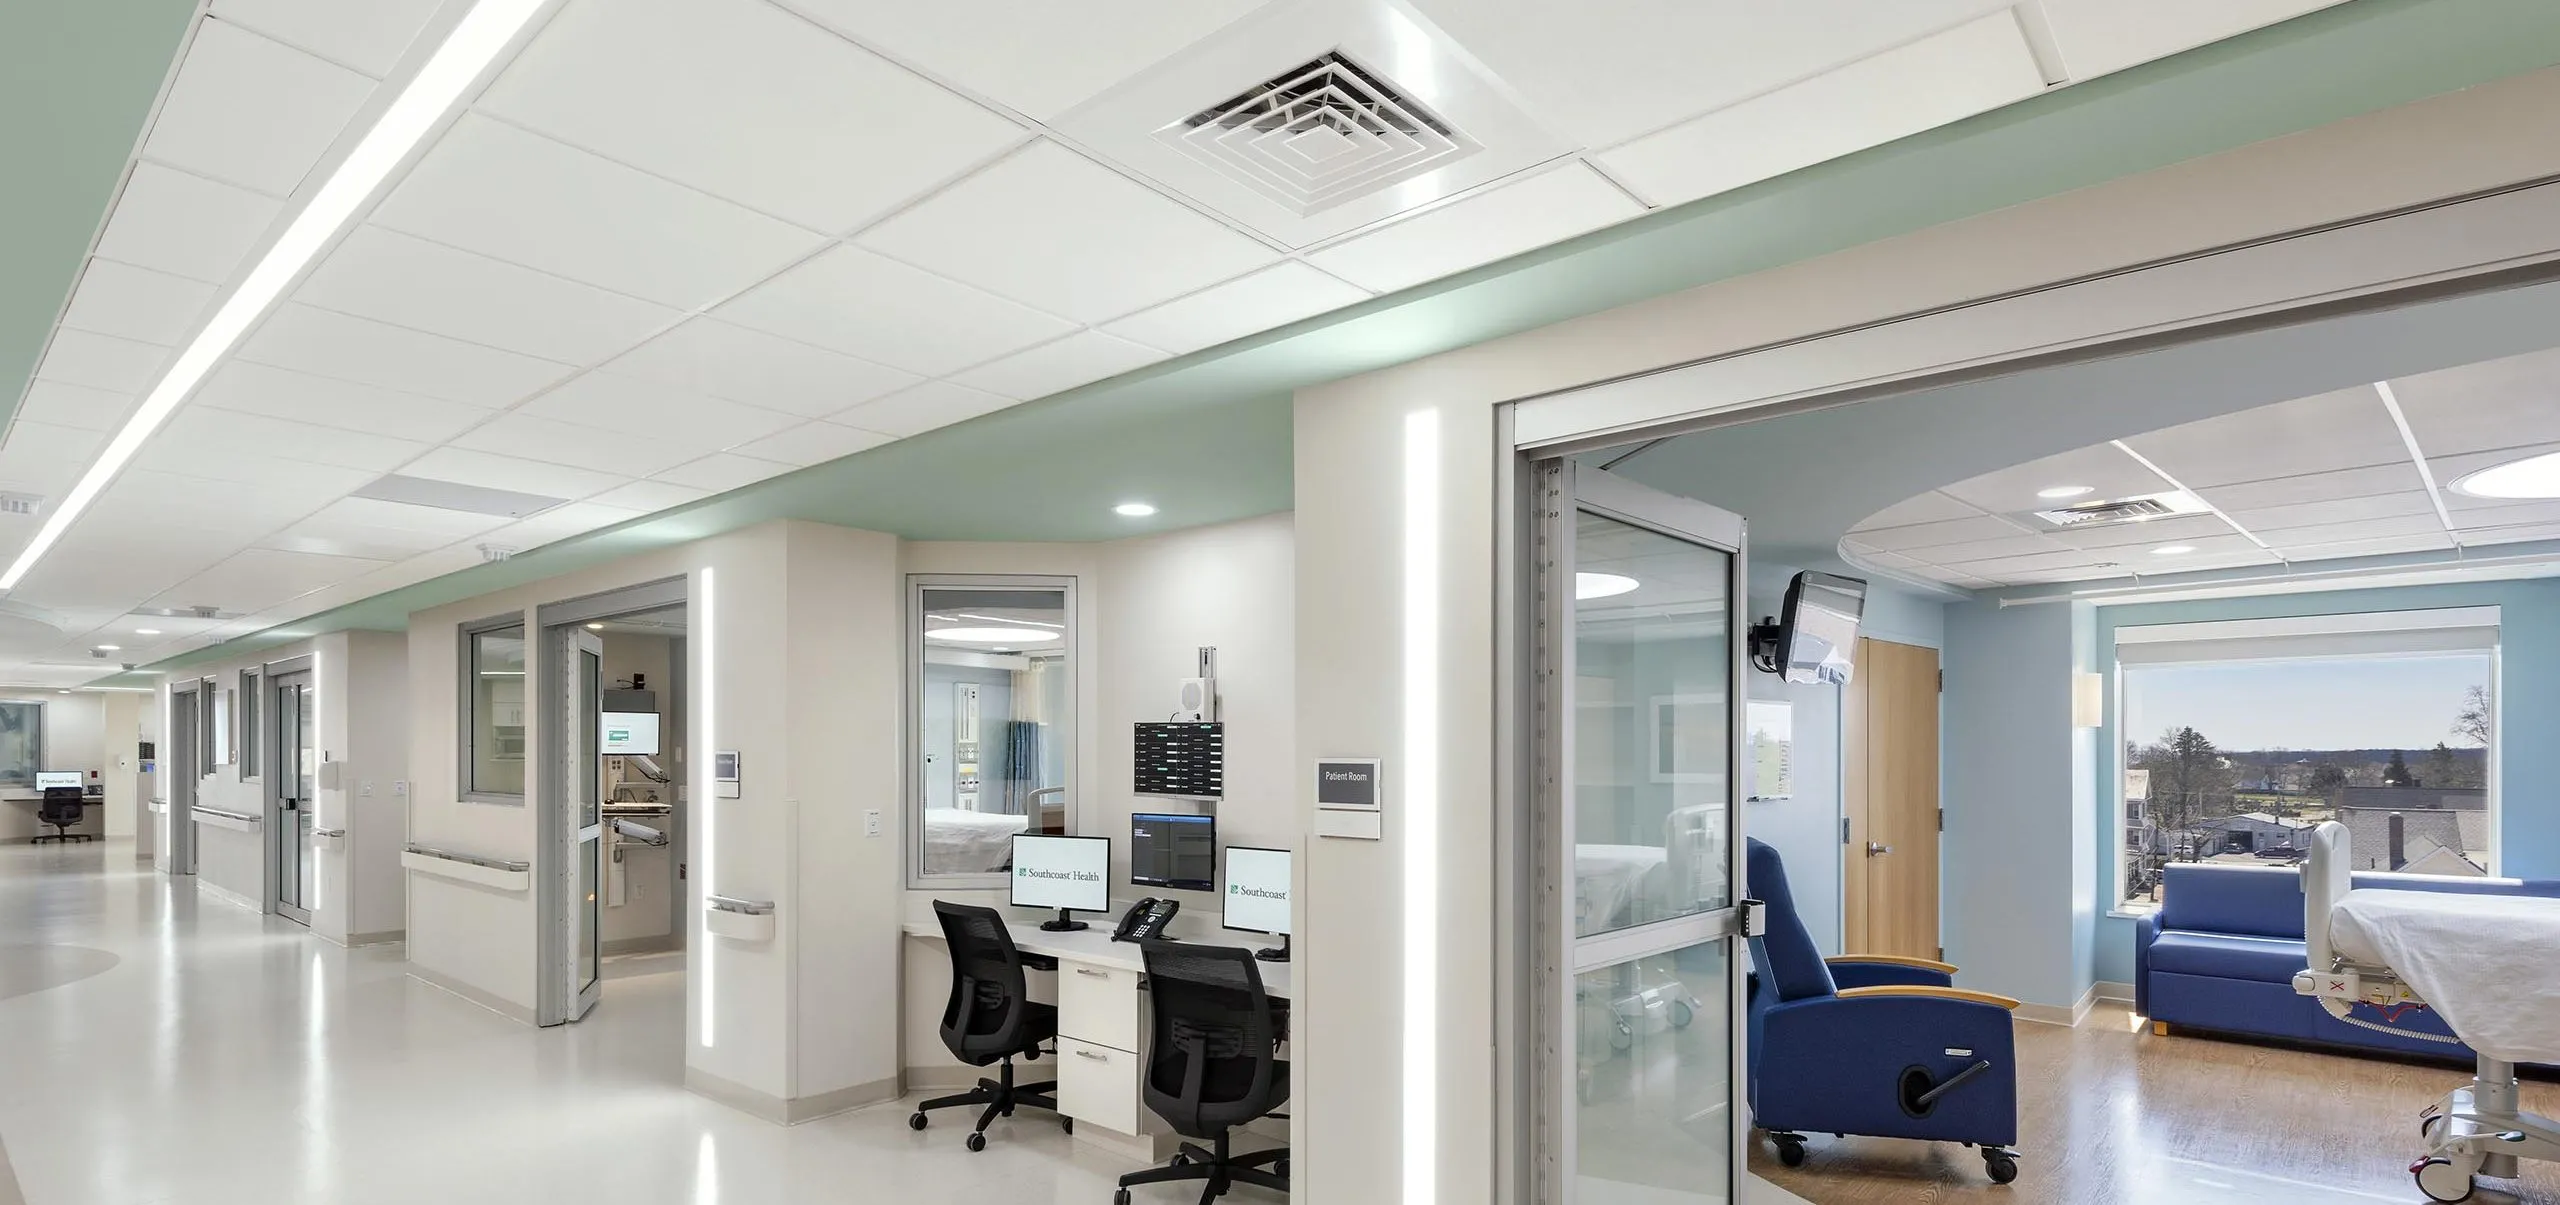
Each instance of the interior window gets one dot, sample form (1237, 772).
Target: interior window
(493, 762)
(246, 718)
(2237, 758)
(21, 742)
(995, 720)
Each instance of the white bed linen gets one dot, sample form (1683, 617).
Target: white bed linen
(963, 842)
(1610, 877)
(2488, 964)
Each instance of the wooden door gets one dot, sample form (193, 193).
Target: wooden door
(1889, 794)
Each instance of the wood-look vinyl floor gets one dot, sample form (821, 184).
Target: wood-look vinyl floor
(2110, 1114)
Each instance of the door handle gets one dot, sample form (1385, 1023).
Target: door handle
(1877, 850)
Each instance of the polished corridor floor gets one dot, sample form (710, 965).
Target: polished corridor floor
(161, 1047)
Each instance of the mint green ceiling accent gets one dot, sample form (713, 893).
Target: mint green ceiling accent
(77, 78)
(1048, 471)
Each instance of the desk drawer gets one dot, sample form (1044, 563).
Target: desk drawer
(1098, 1084)
(1098, 1004)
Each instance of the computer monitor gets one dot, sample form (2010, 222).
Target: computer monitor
(629, 733)
(1173, 851)
(1257, 898)
(55, 780)
(1070, 874)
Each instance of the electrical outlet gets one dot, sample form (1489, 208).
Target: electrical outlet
(399, 788)
(871, 822)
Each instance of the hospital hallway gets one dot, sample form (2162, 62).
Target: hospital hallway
(2109, 1114)
(163, 1046)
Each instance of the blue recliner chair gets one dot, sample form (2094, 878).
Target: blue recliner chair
(1884, 1047)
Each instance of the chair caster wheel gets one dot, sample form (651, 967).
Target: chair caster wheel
(1790, 1149)
(1281, 1169)
(916, 1122)
(2441, 1181)
(2002, 1166)
(1179, 1160)
(977, 1142)
(1120, 1198)
(1068, 1124)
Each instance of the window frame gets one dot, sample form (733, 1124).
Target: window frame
(466, 780)
(37, 743)
(2355, 635)
(911, 712)
(245, 754)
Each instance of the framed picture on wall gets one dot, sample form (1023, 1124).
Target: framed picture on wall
(1687, 736)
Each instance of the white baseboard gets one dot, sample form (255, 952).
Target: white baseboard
(205, 886)
(505, 1008)
(2115, 993)
(788, 1112)
(2054, 1014)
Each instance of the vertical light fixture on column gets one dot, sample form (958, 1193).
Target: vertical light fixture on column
(1421, 806)
(706, 792)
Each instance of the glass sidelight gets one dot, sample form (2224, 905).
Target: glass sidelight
(1638, 671)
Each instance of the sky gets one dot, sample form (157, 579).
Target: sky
(2364, 703)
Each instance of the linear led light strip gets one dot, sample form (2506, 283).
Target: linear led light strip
(473, 45)
(1421, 807)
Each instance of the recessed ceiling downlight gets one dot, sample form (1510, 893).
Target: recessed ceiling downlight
(1134, 510)
(2173, 550)
(992, 636)
(1601, 585)
(2531, 477)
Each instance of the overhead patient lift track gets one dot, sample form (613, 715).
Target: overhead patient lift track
(2478, 1129)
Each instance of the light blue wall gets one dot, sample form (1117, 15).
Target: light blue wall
(2529, 715)
(2017, 896)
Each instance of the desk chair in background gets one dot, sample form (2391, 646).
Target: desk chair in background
(991, 1018)
(1213, 1064)
(61, 808)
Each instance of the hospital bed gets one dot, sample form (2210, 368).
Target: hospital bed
(970, 842)
(2488, 965)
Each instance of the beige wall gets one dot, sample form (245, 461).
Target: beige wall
(74, 739)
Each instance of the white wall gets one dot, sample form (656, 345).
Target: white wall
(74, 739)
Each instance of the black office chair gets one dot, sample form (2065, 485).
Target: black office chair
(61, 808)
(991, 1018)
(1214, 1064)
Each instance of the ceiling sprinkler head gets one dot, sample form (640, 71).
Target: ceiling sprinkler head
(491, 554)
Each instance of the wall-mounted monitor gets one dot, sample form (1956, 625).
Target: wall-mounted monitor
(626, 733)
(1815, 637)
(1173, 851)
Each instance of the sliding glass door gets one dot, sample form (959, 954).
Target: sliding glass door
(1638, 669)
(293, 771)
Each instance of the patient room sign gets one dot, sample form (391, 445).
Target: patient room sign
(1348, 796)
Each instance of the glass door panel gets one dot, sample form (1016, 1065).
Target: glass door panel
(585, 741)
(294, 774)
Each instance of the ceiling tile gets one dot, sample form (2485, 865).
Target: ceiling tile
(395, 278)
(197, 434)
(2519, 534)
(1500, 222)
(711, 357)
(1605, 71)
(1932, 507)
(1047, 58)
(2006, 569)
(2209, 552)
(2105, 470)
(278, 487)
(369, 37)
(2174, 529)
(2314, 487)
(102, 361)
(2346, 429)
(2484, 407)
(327, 343)
(884, 311)
(2017, 544)
(2288, 539)
(136, 303)
(723, 471)
(681, 419)
(504, 192)
(745, 101)
(46, 459)
(202, 501)
(1273, 297)
(253, 112)
(325, 401)
(2508, 514)
(396, 522)
(262, 577)
(2266, 520)
(1053, 229)
(923, 408)
(2378, 546)
(1078, 359)
(650, 496)
(1947, 531)
(1978, 66)
(492, 471)
(2099, 36)
(623, 453)
(814, 443)
(173, 221)
(68, 405)
(560, 523)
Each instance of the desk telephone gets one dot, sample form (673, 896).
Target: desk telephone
(1146, 919)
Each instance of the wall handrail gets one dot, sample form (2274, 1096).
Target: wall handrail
(723, 903)
(328, 832)
(446, 855)
(201, 810)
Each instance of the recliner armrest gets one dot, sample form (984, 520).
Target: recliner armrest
(1935, 993)
(1876, 971)
(1928, 964)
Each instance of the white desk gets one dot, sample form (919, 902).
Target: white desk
(1101, 1020)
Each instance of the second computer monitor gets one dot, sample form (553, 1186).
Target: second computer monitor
(1257, 899)
(1173, 851)
(1062, 872)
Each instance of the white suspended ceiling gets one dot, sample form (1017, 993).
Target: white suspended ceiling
(679, 246)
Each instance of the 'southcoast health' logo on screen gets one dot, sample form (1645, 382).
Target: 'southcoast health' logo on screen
(1064, 876)
(1260, 893)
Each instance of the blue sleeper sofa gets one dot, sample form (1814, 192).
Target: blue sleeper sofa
(2221, 953)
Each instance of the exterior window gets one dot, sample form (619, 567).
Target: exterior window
(2234, 754)
(993, 664)
(21, 742)
(494, 713)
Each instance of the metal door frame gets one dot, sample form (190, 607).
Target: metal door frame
(181, 749)
(277, 771)
(1558, 490)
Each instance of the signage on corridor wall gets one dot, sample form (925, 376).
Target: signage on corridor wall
(1349, 797)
